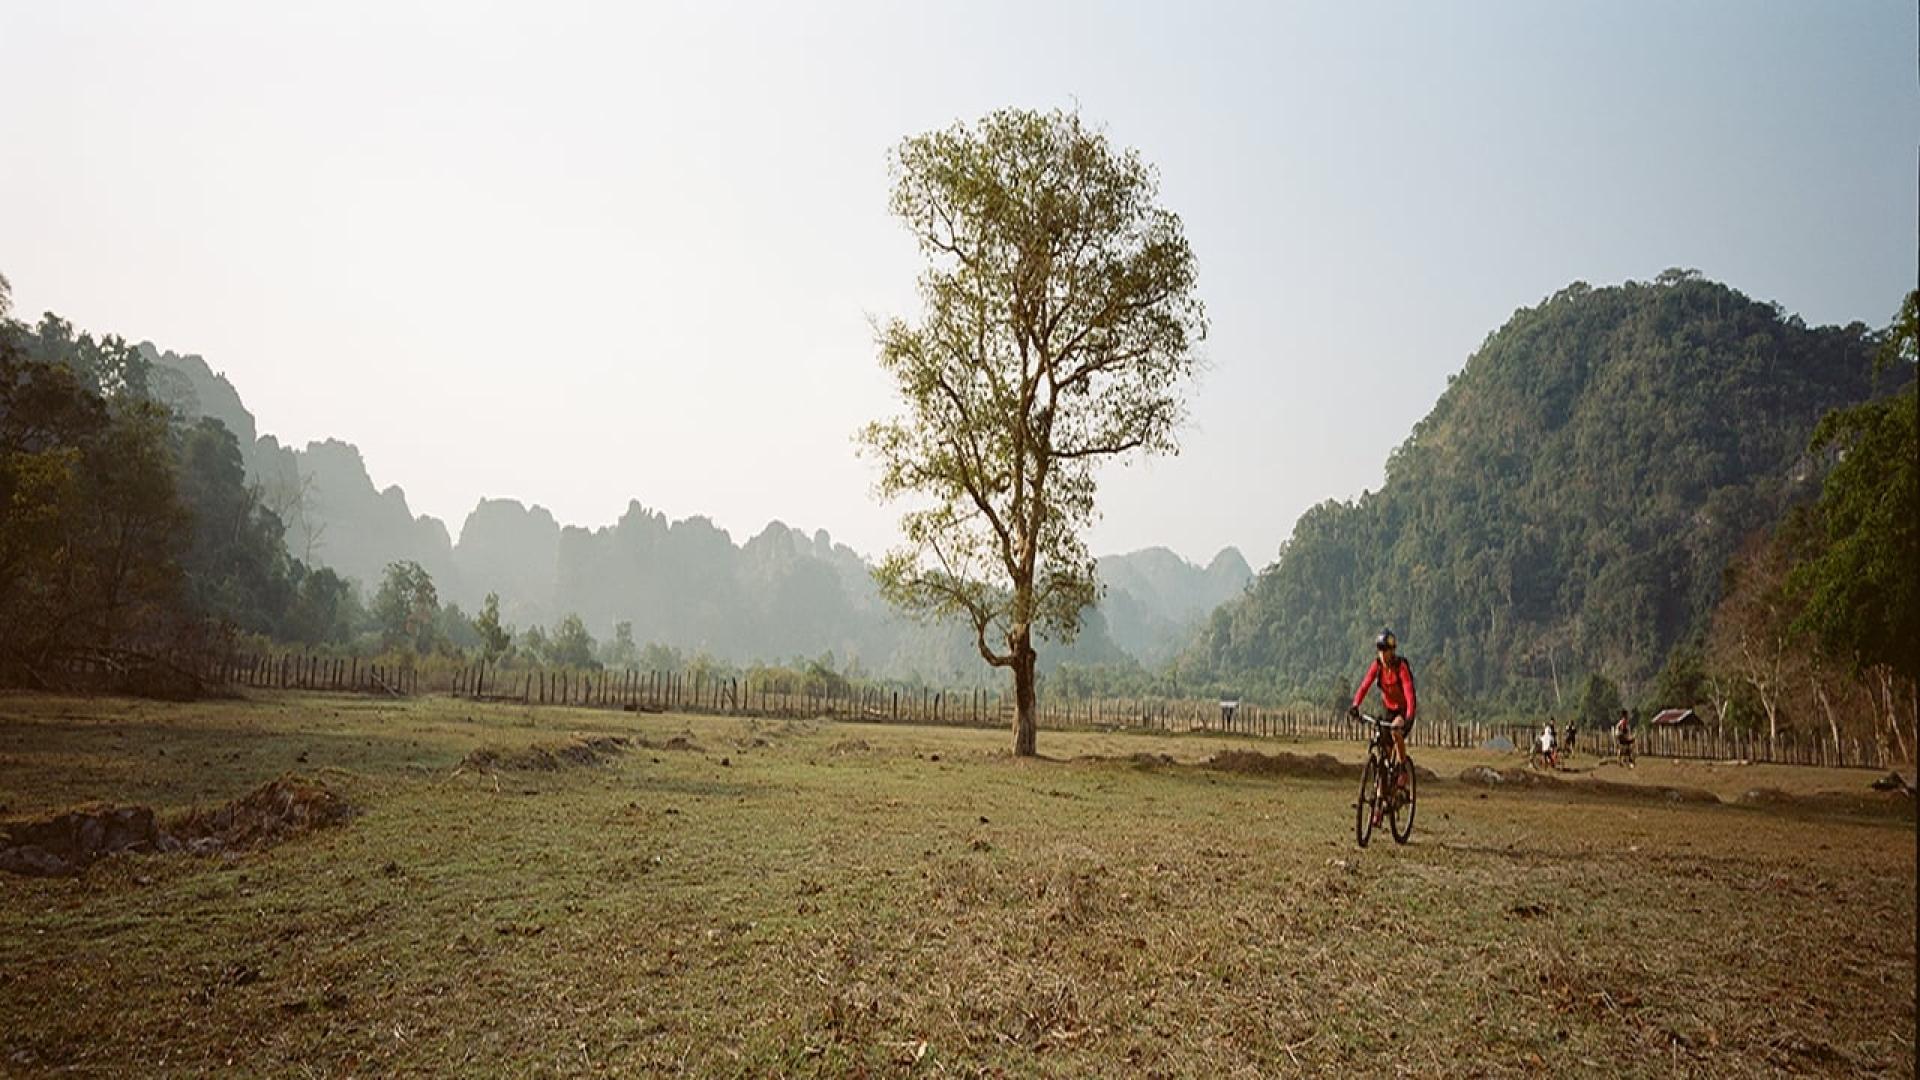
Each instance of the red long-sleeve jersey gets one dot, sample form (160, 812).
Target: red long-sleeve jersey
(1396, 686)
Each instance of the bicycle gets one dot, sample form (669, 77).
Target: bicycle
(1380, 792)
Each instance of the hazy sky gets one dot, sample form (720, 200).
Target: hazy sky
(576, 255)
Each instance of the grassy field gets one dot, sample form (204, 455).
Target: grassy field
(776, 897)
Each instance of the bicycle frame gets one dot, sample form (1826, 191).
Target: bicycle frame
(1385, 797)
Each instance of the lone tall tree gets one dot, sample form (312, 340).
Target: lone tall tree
(1057, 332)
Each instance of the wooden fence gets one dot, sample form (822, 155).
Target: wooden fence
(799, 697)
(310, 671)
(1702, 742)
(1691, 743)
(752, 695)
(785, 697)
(110, 669)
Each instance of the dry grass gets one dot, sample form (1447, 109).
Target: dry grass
(742, 897)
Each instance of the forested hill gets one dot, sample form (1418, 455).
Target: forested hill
(1569, 505)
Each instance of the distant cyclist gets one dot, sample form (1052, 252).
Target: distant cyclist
(1623, 737)
(1546, 741)
(1395, 677)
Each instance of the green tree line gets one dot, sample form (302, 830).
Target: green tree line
(125, 526)
(130, 524)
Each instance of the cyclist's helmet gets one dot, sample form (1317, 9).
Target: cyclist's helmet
(1386, 640)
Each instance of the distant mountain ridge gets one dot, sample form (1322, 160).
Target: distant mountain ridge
(1155, 600)
(780, 594)
(323, 494)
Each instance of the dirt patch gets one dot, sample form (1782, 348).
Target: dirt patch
(1143, 760)
(1878, 804)
(68, 843)
(1315, 766)
(1486, 776)
(850, 746)
(1645, 791)
(678, 742)
(580, 753)
(1254, 763)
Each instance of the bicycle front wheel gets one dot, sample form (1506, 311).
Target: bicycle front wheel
(1369, 796)
(1400, 817)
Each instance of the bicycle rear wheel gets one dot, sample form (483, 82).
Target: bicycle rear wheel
(1369, 795)
(1400, 814)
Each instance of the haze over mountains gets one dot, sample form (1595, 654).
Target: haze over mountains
(1568, 508)
(780, 594)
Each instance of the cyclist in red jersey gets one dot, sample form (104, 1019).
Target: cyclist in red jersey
(1395, 677)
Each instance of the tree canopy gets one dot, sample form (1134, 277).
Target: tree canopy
(121, 527)
(1862, 598)
(1057, 331)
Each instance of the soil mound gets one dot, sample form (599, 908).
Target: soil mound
(68, 843)
(1254, 763)
(850, 746)
(1893, 781)
(580, 753)
(1314, 767)
(1646, 791)
(1486, 776)
(267, 815)
(1882, 803)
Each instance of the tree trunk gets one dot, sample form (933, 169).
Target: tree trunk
(1833, 725)
(1025, 722)
(1554, 667)
(1893, 715)
(1722, 700)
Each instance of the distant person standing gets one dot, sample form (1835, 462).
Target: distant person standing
(1548, 737)
(1571, 731)
(1623, 737)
